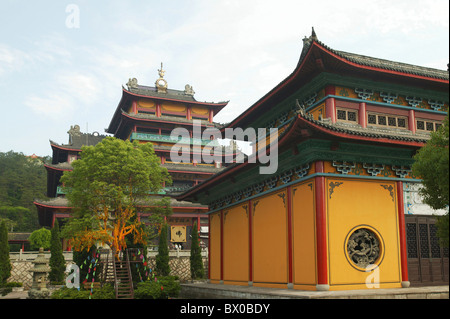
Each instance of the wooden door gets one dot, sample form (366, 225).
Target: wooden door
(427, 261)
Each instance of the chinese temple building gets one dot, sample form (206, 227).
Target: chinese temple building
(334, 215)
(62, 156)
(148, 115)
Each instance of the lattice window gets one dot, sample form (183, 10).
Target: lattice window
(427, 125)
(423, 234)
(411, 236)
(347, 115)
(363, 248)
(421, 125)
(392, 121)
(385, 120)
(341, 115)
(401, 122)
(434, 241)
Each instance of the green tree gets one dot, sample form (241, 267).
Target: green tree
(22, 179)
(40, 238)
(197, 271)
(107, 186)
(57, 261)
(162, 258)
(5, 264)
(431, 165)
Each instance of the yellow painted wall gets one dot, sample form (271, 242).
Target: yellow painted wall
(198, 110)
(303, 233)
(214, 257)
(353, 203)
(147, 103)
(270, 239)
(173, 107)
(318, 110)
(235, 244)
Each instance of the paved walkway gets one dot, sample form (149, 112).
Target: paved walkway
(16, 295)
(215, 291)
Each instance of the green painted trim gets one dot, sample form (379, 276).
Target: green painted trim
(300, 180)
(319, 150)
(390, 105)
(322, 80)
(170, 139)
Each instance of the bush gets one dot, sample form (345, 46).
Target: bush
(5, 263)
(162, 259)
(106, 292)
(40, 238)
(158, 288)
(197, 271)
(7, 287)
(70, 293)
(57, 261)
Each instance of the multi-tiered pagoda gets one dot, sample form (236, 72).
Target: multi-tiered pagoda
(149, 114)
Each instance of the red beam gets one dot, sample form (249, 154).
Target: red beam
(402, 234)
(321, 235)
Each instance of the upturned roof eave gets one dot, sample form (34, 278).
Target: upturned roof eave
(299, 122)
(338, 55)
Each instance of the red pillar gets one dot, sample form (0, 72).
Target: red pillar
(211, 115)
(158, 110)
(330, 103)
(188, 113)
(402, 234)
(250, 243)
(209, 246)
(321, 231)
(221, 246)
(362, 114)
(412, 121)
(289, 226)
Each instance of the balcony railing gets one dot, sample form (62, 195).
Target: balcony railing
(171, 139)
(166, 190)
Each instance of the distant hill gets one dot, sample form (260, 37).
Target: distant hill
(22, 179)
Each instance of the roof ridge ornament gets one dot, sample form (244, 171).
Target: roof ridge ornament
(132, 83)
(161, 83)
(313, 35)
(188, 90)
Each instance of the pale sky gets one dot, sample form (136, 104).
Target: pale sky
(57, 71)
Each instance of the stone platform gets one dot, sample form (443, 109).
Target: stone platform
(215, 291)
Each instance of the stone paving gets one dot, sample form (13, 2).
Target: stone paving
(212, 291)
(215, 291)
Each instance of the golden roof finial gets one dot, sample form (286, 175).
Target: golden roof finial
(161, 84)
(161, 71)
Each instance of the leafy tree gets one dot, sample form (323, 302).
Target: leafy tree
(83, 259)
(40, 238)
(107, 186)
(431, 164)
(22, 179)
(162, 258)
(5, 264)
(197, 271)
(57, 262)
(21, 219)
